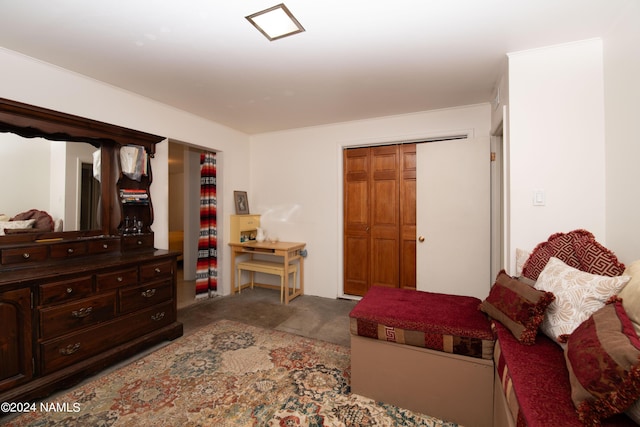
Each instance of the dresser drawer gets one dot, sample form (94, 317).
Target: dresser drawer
(71, 348)
(156, 270)
(65, 318)
(116, 279)
(67, 290)
(137, 241)
(68, 250)
(103, 246)
(134, 298)
(26, 254)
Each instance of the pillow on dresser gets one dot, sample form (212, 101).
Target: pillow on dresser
(578, 295)
(518, 306)
(13, 225)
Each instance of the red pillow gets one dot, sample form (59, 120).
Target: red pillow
(603, 359)
(517, 306)
(578, 249)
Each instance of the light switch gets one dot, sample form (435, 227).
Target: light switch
(538, 198)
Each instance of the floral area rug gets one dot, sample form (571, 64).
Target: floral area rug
(227, 374)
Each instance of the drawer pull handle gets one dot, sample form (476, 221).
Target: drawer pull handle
(70, 250)
(158, 316)
(140, 242)
(69, 290)
(70, 349)
(119, 278)
(157, 270)
(26, 255)
(105, 246)
(83, 312)
(149, 293)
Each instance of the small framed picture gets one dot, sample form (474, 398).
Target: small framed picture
(242, 202)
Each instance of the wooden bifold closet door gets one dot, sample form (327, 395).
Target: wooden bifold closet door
(379, 217)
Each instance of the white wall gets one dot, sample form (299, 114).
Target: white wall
(297, 180)
(33, 82)
(622, 112)
(18, 160)
(556, 120)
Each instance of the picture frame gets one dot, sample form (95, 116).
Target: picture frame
(242, 202)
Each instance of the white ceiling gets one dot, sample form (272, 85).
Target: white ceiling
(357, 59)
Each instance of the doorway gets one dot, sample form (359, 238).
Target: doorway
(449, 242)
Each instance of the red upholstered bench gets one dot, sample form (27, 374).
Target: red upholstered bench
(424, 351)
(534, 382)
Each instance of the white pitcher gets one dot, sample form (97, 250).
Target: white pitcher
(260, 235)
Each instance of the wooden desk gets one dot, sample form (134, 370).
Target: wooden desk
(288, 251)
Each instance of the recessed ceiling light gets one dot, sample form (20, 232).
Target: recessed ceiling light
(276, 22)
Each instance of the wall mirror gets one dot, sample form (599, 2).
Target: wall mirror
(56, 177)
(52, 164)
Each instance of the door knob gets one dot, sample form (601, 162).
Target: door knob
(421, 239)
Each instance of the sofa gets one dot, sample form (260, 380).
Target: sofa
(567, 351)
(557, 345)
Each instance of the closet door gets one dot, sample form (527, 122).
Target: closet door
(408, 162)
(356, 166)
(379, 217)
(384, 216)
(454, 210)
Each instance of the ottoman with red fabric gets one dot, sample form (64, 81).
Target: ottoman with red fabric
(449, 323)
(424, 351)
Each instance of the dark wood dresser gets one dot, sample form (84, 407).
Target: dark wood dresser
(63, 321)
(74, 302)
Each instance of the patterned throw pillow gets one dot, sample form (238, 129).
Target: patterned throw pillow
(630, 294)
(603, 360)
(578, 295)
(14, 225)
(578, 249)
(517, 306)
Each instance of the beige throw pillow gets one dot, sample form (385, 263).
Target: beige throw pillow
(578, 295)
(630, 294)
(15, 225)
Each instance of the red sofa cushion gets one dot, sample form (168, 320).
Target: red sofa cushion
(449, 323)
(540, 382)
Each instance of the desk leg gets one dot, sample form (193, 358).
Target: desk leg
(233, 271)
(285, 280)
(301, 262)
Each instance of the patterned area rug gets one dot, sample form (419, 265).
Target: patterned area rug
(227, 374)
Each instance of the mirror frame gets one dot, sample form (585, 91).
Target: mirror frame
(31, 121)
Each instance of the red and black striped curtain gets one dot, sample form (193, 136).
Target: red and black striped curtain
(207, 267)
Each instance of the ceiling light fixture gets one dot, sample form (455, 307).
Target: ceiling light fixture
(276, 22)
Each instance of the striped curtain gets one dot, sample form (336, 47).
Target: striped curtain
(207, 267)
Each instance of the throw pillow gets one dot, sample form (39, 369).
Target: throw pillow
(578, 249)
(559, 245)
(578, 295)
(521, 258)
(630, 294)
(12, 225)
(603, 360)
(517, 306)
